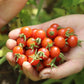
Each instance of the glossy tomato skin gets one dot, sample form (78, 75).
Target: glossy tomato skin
(72, 41)
(54, 25)
(31, 41)
(26, 31)
(34, 32)
(21, 40)
(35, 62)
(66, 48)
(59, 41)
(29, 52)
(62, 32)
(17, 50)
(54, 51)
(51, 32)
(47, 62)
(46, 41)
(45, 51)
(21, 59)
(40, 67)
(71, 30)
(40, 34)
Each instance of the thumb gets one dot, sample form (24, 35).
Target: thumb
(64, 70)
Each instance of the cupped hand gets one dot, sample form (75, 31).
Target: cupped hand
(74, 59)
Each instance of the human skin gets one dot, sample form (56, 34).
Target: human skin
(74, 59)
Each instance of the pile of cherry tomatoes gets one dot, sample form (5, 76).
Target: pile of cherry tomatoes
(44, 48)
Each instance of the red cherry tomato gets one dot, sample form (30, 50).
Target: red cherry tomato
(46, 53)
(71, 30)
(21, 40)
(39, 67)
(58, 59)
(40, 34)
(51, 32)
(54, 51)
(72, 41)
(32, 61)
(26, 31)
(17, 50)
(46, 41)
(29, 52)
(62, 32)
(54, 25)
(21, 59)
(34, 32)
(31, 43)
(47, 62)
(59, 41)
(66, 48)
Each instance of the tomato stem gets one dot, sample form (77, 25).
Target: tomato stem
(51, 33)
(19, 77)
(22, 35)
(2, 60)
(79, 42)
(38, 40)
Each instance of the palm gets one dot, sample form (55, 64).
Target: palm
(74, 58)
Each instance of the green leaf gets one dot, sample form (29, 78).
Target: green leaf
(67, 3)
(59, 11)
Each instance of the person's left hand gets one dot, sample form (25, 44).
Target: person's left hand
(9, 9)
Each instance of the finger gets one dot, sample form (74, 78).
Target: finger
(9, 9)
(64, 70)
(30, 72)
(11, 43)
(10, 58)
(15, 33)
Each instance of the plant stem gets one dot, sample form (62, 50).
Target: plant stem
(19, 77)
(2, 60)
(39, 7)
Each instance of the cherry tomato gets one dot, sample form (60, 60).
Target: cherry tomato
(72, 41)
(66, 48)
(46, 53)
(21, 59)
(31, 43)
(46, 41)
(32, 61)
(51, 32)
(47, 62)
(54, 25)
(34, 32)
(59, 41)
(54, 51)
(21, 40)
(39, 67)
(29, 52)
(58, 59)
(26, 31)
(62, 32)
(17, 50)
(40, 34)
(71, 30)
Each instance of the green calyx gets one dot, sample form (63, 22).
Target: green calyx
(49, 46)
(38, 41)
(52, 64)
(22, 35)
(62, 57)
(51, 33)
(79, 42)
(21, 45)
(59, 27)
(32, 46)
(67, 34)
(40, 54)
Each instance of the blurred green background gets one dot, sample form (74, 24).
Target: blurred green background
(36, 12)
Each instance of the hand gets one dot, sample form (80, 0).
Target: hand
(75, 58)
(9, 9)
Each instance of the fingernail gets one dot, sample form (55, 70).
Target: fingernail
(45, 76)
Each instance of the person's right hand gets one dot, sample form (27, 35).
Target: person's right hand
(74, 59)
